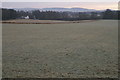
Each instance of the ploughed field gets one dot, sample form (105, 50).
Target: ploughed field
(78, 50)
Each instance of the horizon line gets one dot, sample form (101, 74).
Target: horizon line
(57, 7)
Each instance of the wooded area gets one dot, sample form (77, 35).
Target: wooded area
(8, 14)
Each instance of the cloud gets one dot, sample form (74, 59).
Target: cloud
(90, 5)
(60, 0)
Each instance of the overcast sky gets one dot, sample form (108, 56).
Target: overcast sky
(89, 5)
(60, 0)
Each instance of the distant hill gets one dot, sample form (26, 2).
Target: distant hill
(69, 9)
(57, 9)
(25, 9)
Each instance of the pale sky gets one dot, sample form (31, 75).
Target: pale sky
(89, 5)
(60, 0)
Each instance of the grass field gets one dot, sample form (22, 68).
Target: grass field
(77, 50)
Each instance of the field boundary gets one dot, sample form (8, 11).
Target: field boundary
(43, 21)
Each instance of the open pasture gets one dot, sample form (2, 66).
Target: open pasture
(77, 50)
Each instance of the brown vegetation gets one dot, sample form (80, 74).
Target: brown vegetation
(30, 21)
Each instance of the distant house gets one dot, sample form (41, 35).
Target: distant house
(98, 15)
(27, 17)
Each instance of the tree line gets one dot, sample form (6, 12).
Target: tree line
(8, 14)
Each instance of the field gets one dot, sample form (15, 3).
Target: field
(77, 50)
(31, 21)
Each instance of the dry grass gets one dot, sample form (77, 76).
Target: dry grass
(61, 50)
(30, 21)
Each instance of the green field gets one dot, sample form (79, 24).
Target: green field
(77, 50)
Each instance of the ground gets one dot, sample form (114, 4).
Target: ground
(77, 50)
(31, 21)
